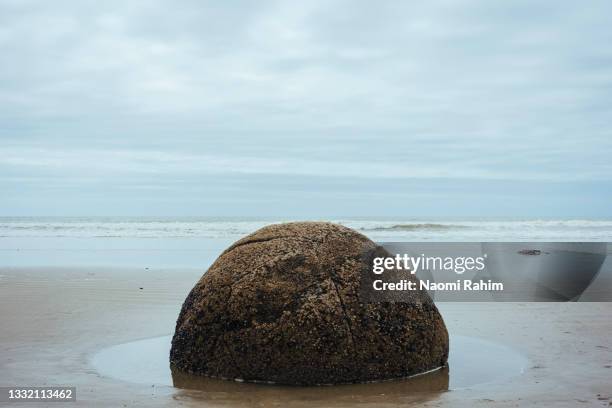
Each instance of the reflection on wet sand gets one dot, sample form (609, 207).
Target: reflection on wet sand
(221, 392)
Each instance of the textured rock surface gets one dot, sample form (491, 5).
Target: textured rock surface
(283, 305)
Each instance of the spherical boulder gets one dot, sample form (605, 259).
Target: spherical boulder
(284, 305)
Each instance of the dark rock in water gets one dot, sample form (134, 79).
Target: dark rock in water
(530, 252)
(283, 305)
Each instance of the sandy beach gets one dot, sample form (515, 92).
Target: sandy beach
(55, 319)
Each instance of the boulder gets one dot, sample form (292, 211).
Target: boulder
(284, 305)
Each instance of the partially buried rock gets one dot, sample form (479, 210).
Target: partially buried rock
(283, 305)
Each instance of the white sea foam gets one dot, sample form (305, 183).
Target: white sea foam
(377, 229)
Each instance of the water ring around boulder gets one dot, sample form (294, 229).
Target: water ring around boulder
(472, 362)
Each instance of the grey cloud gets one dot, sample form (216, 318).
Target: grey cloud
(476, 90)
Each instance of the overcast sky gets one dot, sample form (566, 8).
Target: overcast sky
(309, 109)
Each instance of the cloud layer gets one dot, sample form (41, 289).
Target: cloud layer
(159, 96)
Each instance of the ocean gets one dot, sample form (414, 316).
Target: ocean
(196, 241)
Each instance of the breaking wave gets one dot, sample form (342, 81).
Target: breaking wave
(376, 229)
(416, 227)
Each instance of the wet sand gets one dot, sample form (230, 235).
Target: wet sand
(53, 320)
